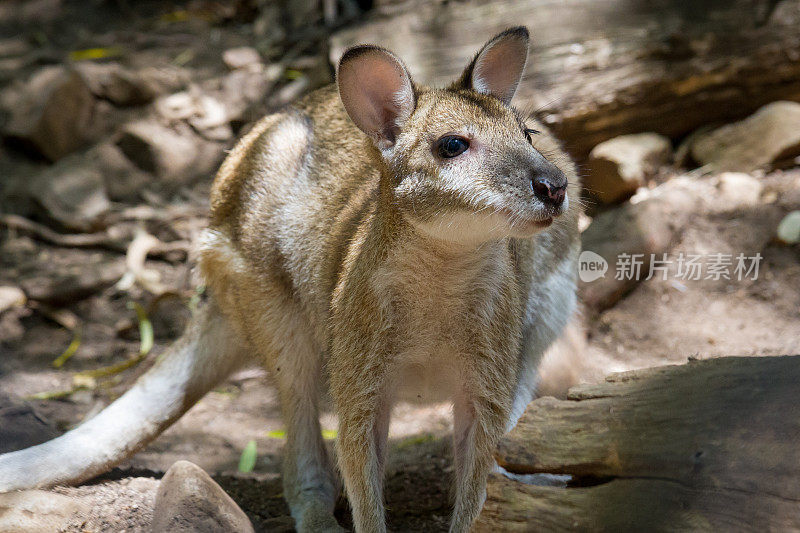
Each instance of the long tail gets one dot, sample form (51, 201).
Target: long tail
(206, 353)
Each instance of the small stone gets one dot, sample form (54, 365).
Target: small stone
(768, 138)
(789, 228)
(66, 275)
(176, 155)
(37, 510)
(206, 114)
(71, 192)
(738, 189)
(178, 106)
(116, 84)
(211, 119)
(53, 113)
(189, 500)
(124, 181)
(21, 426)
(242, 57)
(621, 165)
(243, 91)
(11, 297)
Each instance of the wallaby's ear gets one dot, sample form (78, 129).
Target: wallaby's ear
(498, 67)
(376, 91)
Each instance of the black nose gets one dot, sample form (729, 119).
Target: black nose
(550, 189)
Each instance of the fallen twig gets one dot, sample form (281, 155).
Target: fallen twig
(101, 239)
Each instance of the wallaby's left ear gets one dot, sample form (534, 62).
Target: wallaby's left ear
(497, 68)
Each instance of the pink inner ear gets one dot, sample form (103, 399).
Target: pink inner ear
(499, 68)
(377, 93)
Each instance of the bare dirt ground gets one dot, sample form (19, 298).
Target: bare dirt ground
(659, 322)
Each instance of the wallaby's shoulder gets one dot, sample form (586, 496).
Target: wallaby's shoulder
(313, 136)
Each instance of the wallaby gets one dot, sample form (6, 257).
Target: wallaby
(368, 238)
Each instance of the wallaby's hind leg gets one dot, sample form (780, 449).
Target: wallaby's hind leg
(310, 484)
(276, 328)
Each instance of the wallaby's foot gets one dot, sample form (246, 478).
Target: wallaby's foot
(314, 514)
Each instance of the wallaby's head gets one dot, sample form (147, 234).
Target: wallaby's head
(463, 162)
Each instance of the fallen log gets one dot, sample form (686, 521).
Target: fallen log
(602, 68)
(710, 445)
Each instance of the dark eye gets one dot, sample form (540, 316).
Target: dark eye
(451, 146)
(529, 132)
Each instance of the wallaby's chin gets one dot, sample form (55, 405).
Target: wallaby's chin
(476, 227)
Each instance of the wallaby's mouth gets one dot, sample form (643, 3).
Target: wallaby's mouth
(525, 223)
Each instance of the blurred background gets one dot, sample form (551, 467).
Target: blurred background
(683, 116)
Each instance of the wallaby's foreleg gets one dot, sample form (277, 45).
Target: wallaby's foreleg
(363, 410)
(207, 352)
(480, 416)
(309, 481)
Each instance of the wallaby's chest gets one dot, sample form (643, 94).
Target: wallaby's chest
(435, 303)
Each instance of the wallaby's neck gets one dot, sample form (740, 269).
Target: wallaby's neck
(427, 249)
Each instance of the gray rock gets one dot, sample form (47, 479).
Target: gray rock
(738, 190)
(11, 297)
(243, 92)
(788, 231)
(65, 275)
(242, 57)
(175, 154)
(53, 113)
(188, 500)
(770, 137)
(646, 227)
(72, 192)
(117, 84)
(124, 181)
(21, 426)
(35, 511)
(621, 165)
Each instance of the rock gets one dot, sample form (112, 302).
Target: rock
(53, 114)
(736, 189)
(178, 106)
(188, 500)
(789, 228)
(243, 92)
(124, 181)
(645, 227)
(11, 297)
(34, 511)
(176, 155)
(621, 165)
(768, 138)
(211, 119)
(242, 57)
(21, 426)
(65, 275)
(119, 85)
(72, 192)
(14, 46)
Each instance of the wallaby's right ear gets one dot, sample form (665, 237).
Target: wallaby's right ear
(376, 91)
